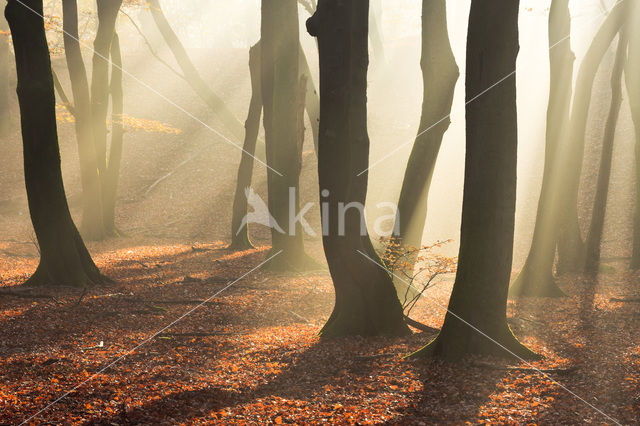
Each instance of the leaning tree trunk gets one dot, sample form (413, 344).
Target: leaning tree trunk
(110, 181)
(476, 319)
(366, 302)
(239, 231)
(64, 259)
(632, 80)
(439, 75)
(536, 277)
(92, 218)
(195, 80)
(594, 237)
(570, 245)
(5, 113)
(280, 76)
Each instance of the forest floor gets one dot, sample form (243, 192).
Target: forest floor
(150, 350)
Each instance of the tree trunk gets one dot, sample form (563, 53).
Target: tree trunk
(476, 321)
(632, 80)
(375, 33)
(536, 277)
(5, 112)
(195, 80)
(92, 218)
(280, 76)
(570, 245)
(110, 187)
(366, 302)
(312, 100)
(239, 231)
(64, 259)
(594, 238)
(440, 75)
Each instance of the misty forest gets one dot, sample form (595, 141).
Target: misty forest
(320, 211)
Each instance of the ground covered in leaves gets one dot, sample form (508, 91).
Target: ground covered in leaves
(191, 333)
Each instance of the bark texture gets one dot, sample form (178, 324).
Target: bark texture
(64, 259)
(366, 301)
(476, 321)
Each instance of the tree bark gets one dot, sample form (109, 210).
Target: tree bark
(594, 237)
(536, 278)
(239, 231)
(5, 113)
(632, 80)
(476, 321)
(64, 259)
(195, 80)
(110, 186)
(366, 302)
(280, 76)
(571, 249)
(439, 75)
(92, 226)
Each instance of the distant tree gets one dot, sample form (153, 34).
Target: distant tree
(64, 259)
(439, 75)
(571, 248)
(632, 80)
(594, 237)
(366, 301)
(280, 62)
(536, 277)
(478, 304)
(5, 114)
(92, 212)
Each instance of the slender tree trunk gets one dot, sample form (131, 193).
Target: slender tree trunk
(110, 187)
(5, 113)
(536, 277)
(280, 76)
(478, 304)
(571, 248)
(312, 100)
(92, 218)
(239, 231)
(195, 80)
(366, 302)
(594, 238)
(632, 80)
(107, 16)
(375, 32)
(439, 75)
(64, 259)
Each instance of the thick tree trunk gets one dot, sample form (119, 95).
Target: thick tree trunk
(366, 301)
(632, 80)
(195, 80)
(5, 113)
(239, 231)
(280, 76)
(92, 218)
(476, 321)
(64, 259)
(536, 277)
(571, 248)
(439, 75)
(110, 182)
(594, 237)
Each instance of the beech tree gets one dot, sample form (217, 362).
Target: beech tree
(536, 277)
(476, 318)
(366, 301)
(64, 259)
(439, 75)
(5, 114)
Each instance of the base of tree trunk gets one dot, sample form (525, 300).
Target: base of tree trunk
(364, 322)
(240, 242)
(289, 260)
(80, 277)
(450, 346)
(530, 284)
